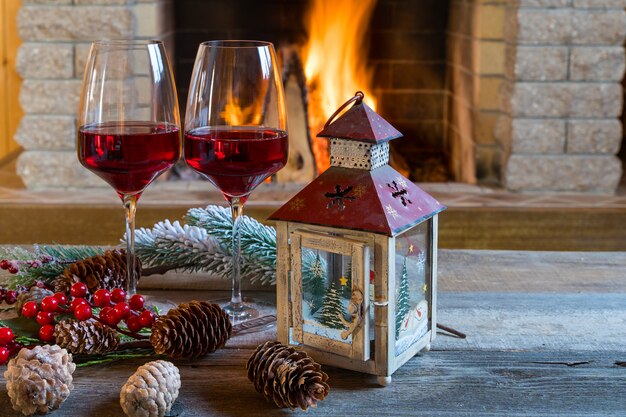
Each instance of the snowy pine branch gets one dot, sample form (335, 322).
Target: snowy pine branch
(258, 242)
(203, 244)
(188, 247)
(44, 263)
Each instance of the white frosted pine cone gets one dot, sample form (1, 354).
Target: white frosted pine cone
(39, 379)
(151, 391)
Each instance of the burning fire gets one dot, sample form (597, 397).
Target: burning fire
(335, 59)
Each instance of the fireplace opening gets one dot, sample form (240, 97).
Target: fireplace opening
(397, 52)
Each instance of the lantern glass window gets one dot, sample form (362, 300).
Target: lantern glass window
(413, 265)
(326, 292)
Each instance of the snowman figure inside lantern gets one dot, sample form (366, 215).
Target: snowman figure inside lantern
(357, 254)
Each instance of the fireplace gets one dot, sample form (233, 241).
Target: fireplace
(524, 95)
(398, 57)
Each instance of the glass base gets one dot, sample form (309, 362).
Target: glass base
(247, 310)
(163, 305)
(239, 312)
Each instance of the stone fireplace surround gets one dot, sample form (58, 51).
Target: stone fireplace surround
(534, 96)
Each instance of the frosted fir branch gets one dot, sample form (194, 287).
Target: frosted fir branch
(258, 242)
(192, 249)
(188, 247)
(204, 245)
(44, 263)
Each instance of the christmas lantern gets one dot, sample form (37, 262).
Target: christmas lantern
(357, 254)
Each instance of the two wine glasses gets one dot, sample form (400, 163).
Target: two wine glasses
(235, 127)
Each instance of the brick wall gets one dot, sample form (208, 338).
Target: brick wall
(56, 36)
(524, 93)
(564, 94)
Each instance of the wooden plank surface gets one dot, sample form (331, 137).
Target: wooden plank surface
(544, 350)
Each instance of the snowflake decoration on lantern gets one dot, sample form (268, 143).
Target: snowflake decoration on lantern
(317, 269)
(296, 204)
(396, 192)
(402, 182)
(339, 197)
(359, 191)
(391, 211)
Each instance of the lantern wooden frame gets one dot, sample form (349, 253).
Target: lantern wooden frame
(382, 361)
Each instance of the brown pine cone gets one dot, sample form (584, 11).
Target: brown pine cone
(35, 294)
(106, 271)
(191, 330)
(286, 376)
(88, 337)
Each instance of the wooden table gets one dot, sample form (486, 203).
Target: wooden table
(546, 337)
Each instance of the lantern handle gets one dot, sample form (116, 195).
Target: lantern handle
(358, 98)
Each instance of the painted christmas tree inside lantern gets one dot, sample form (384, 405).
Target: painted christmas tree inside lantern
(367, 238)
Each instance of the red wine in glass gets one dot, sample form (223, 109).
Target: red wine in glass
(236, 159)
(130, 155)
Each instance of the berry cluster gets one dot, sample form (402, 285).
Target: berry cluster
(8, 345)
(13, 266)
(115, 308)
(112, 304)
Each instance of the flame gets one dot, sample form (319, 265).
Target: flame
(335, 62)
(237, 115)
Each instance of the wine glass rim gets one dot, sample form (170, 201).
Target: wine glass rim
(139, 43)
(237, 43)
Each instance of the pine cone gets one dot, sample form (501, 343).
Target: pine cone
(191, 330)
(39, 379)
(35, 294)
(151, 391)
(102, 271)
(88, 337)
(286, 376)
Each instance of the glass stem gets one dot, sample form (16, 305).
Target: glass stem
(130, 206)
(236, 206)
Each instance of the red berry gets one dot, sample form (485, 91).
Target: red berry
(118, 295)
(146, 318)
(77, 302)
(6, 335)
(4, 264)
(133, 323)
(4, 355)
(46, 333)
(14, 269)
(61, 298)
(10, 297)
(14, 347)
(45, 317)
(122, 310)
(50, 304)
(83, 312)
(30, 309)
(136, 302)
(78, 290)
(102, 298)
(107, 315)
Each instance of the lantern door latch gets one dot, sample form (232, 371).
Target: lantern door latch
(355, 309)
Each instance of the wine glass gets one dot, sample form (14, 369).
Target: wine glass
(129, 124)
(236, 131)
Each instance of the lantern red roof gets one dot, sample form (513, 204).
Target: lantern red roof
(362, 124)
(380, 201)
